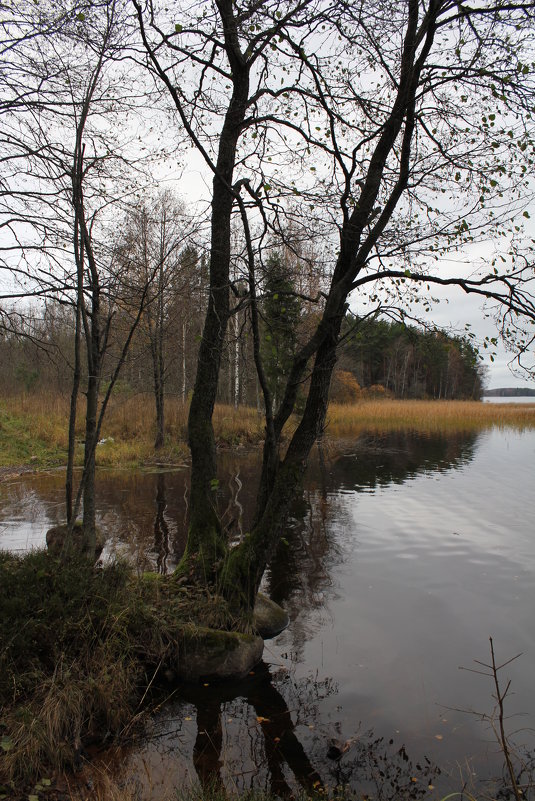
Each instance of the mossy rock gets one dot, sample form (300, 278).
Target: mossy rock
(56, 539)
(213, 654)
(269, 619)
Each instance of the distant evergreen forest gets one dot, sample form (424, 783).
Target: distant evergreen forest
(377, 356)
(408, 362)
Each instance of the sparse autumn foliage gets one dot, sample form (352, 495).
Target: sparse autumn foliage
(371, 135)
(376, 391)
(344, 387)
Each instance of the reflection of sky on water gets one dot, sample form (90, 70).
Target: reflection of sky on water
(405, 553)
(518, 399)
(29, 505)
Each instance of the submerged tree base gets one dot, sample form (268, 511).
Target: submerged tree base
(61, 544)
(81, 646)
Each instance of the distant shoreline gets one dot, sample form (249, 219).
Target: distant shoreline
(509, 392)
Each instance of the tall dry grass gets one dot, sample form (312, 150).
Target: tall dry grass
(426, 416)
(134, 419)
(47, 413)
(126, 417)
(129, 417)
(129, 425)
(128, 428)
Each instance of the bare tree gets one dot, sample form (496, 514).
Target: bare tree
(154, 248)
(65, 177)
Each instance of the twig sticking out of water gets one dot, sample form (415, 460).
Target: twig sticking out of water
(500, 695)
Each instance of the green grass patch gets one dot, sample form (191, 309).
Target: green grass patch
(20, 443)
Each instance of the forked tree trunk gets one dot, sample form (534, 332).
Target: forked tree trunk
(279, 482)
(240, 571)
(246, 564)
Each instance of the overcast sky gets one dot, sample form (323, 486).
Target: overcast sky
(462, 309)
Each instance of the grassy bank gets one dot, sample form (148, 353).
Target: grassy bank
(29, 439)
(81, 654)
(79, 648)
(33, 431)
(33, 428)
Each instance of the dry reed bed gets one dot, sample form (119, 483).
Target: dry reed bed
(130, 417)
(129, 422)
(426, 416)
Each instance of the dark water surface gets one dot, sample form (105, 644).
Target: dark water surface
(404, 554)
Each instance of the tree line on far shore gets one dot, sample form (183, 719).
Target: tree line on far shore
(378, 357)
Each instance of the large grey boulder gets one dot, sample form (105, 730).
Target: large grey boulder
(269, 619)
(212, 654)
(207, 653)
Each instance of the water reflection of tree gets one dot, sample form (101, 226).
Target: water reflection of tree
(379, 459)
(280, 742)
(142, 518)
(277, 749)
(161, 528)
(127, 499)
(301, 572)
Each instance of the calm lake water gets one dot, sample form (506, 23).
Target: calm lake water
(517, 399)
(405, 554)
